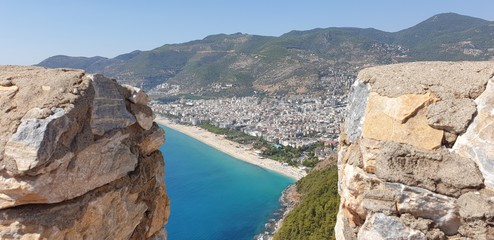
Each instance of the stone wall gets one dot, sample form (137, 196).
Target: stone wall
(79, 158)
(417, 153)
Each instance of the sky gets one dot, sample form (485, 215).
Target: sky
(33, 30)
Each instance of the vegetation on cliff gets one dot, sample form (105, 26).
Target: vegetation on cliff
(314, 217)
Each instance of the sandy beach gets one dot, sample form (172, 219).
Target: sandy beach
(231, 148)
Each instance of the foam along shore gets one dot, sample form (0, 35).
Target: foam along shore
(231, 148)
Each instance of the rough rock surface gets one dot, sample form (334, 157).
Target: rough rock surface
(79, 158)
(416, 158)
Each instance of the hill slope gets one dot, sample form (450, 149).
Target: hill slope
(296, 62)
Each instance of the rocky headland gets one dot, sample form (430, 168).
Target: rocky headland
(417, 153)
(79, 158)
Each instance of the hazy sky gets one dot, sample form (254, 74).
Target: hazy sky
(31, 31)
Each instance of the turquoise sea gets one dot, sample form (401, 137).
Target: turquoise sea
(215, 196)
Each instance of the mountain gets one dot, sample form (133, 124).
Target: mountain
(296, 62)
(449, 36)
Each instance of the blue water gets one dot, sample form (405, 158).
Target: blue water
(213, 195)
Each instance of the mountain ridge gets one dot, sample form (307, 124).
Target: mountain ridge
(295, 62)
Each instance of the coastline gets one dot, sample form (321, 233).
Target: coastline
(231, 148)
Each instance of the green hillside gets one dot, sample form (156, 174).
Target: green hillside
(295, 62)
(314, 217)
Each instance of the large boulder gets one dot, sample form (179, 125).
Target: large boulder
(416, 159)
(75, 162)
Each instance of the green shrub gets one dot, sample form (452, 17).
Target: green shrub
(314, 217)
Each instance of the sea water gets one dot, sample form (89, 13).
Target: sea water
(213, 195)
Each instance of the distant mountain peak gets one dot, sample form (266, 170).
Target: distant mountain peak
(297, 61)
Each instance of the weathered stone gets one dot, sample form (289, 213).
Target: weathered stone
(436, 234)
(109, 111)
(143, 114)
(161, 235)
(395, 198)
(137, 95)
(379, 226)
(353, 183)
(113, 211)
(449, 139)
(61, 180)
(36, 139)
(342, 228)
(476, 205)
(477, 142)
(384, 116)
(397, 174)
(428, 205)
(420, 224)
(153, 141)
(5, 82)
(357, 102)
(107, 160)
(415, 167)
(451, 115)
(447, 80)
(380, 199)
(478, 230)
(8, 91)
(370, 150)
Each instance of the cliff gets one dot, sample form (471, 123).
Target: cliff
(79, 158)
(417, 153)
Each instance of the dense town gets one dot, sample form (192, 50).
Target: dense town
(297, 121)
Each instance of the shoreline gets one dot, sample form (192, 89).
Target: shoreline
(231, 148)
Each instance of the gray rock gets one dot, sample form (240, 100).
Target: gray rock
(416, 223)
(36, 139)
(446, 80)
(476, 205)
(420, 203)
(451, 115)
(137, 95)
(478, 230)
(440, 171)
(399, 199)
(379, 226)
(143, 114)
(477, 143)
(109, 110)
(356, 110)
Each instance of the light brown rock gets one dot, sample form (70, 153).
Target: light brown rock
(420, 158)
(73, 165)
(153, 141)
(62, 179)
(119, 210)
(8, 91)
(370, 150)
(451, 115)
(383, 121)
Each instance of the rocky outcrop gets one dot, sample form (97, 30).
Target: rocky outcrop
(79, 158)
(416, 158)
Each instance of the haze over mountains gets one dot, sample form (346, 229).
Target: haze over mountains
(296, 62)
